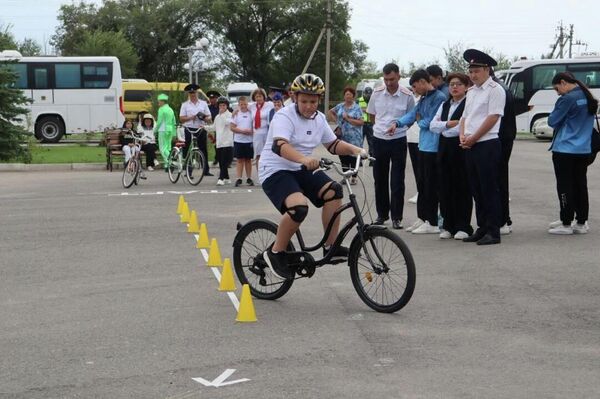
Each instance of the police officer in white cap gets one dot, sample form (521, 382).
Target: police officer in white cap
(479, 127)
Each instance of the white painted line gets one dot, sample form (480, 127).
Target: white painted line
(220, 380)
(234, 300)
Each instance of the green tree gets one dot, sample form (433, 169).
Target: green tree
(29, 47)
(456, 62)
(109, 43)
(12, 109)
(7, 40)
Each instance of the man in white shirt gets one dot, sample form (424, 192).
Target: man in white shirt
(387, 104)
(479, 127)
(194, 114)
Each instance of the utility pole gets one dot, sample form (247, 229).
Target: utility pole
(571, 41)
(561, 43)
(327, 55)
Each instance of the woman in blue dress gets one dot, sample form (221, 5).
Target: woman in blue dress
(349, 119)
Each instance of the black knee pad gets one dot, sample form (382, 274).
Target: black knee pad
(338, 192)
(298, 213)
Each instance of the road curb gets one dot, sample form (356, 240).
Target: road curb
(59, 167)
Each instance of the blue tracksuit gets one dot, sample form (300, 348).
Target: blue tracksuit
(572, 124)
(427, 108)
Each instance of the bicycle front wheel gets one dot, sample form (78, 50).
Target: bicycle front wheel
(174, 162)
(194, 167)
(251, 241)
(130, 173)
(385, 279)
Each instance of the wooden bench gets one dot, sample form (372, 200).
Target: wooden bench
(112, 138)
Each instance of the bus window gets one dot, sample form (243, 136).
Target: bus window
(40, 78)
(543, 74)
(137, 95)
(587, 73)
(97, 76)
(21, 71)
(67, 76)
(517, 88)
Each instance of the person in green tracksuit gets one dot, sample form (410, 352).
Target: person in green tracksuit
(165, 126)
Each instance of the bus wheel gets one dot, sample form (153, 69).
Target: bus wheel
(49, 129)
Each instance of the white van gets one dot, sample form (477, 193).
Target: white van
(68, 94)
(239, 89)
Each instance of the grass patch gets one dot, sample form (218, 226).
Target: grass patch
(68, 154)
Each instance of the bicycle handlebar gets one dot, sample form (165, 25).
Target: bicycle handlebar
(327, 164)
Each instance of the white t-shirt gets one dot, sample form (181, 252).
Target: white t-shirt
(387, 108)
(482, 101)
(188, 108)
(303, 134)
(242, 120)
(223, 130)
(264, 117)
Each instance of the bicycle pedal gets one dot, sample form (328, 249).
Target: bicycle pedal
(143, 177)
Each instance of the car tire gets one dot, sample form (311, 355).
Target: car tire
(49, 129)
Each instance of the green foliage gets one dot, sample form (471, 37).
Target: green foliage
(176, 98)
(456, 63)
(7, 40)
(29, 48)
(109, 43)
(12, 109)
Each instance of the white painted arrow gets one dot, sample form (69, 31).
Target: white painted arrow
(220, 380)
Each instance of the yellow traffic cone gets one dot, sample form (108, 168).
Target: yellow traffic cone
(193, 226)
(214, 255)
(246, 311)
(203, 241)
(185, 213)
(180, 204)
(227, 283)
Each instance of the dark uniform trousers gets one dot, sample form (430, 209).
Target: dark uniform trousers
(413, 151)
(507, 146)
(388, 152)
(367, 130)
(483, 165)
(201, 137)
(427, 184)
(571, 186)
(456, 203)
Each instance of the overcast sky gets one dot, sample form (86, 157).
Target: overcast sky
(406, 30)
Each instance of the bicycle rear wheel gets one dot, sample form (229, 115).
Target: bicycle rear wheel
(131, 172)
(174, 162)
(248, 246)
(194, 167)
(387, 281)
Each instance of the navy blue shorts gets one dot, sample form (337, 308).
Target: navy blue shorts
(243, 150)
(282, 184)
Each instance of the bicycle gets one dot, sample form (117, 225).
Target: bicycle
(132, 172)
(380, 262)
(192, 164)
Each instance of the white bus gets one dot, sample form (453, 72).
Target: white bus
(240, 89)
(68, 94)
(530, 82)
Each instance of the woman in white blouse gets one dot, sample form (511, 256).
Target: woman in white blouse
(260, 109)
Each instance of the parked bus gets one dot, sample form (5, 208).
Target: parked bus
(239, 89)
(530, 82)
(68, 94)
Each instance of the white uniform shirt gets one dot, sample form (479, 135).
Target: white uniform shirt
(437, 125)
(264, 117)
(303, 134)
(482, 101)
(387, 108)
(243, 120)
(223, 130)
(188, 108)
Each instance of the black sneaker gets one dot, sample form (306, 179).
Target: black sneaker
(249, 182)
(340, 253)
(238, 182)
(278, 264)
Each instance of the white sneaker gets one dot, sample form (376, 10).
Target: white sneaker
(555, 224)
(156, 163)
(150, 168)
(227, 181)
(445, 235)
(561, 230)
(415, 225)
(426, 228)
(461, 235)
(413, 199)
(580, 228)
(505, 230)
(220, 182)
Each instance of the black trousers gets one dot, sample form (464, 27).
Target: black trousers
(389, 155)
(367, 130)
(507, 146)
(348, 162)
(150, 150)
(413, 151)
(456, 203)
(483, 165)
(571, 185)
(224, 156)
(427, 202)
(201, 137)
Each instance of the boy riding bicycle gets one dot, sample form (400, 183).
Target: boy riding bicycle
(286, 169)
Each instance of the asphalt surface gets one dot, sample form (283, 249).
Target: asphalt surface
(103, 295)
